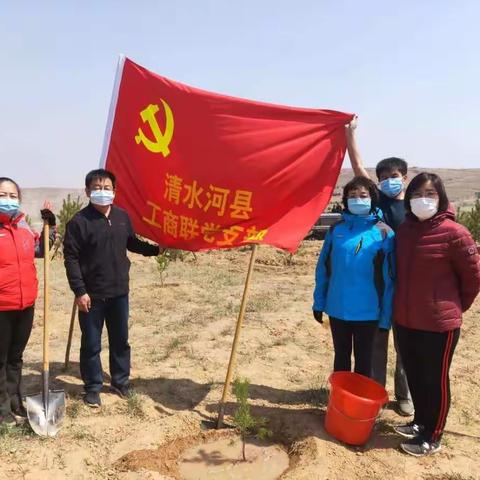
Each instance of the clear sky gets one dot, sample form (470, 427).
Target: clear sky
(410, 69)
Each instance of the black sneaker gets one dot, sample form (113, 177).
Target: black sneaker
(19, 412)
(409, 430)
(123, 391)
(7, 421)
(92, 399)
(418, 447)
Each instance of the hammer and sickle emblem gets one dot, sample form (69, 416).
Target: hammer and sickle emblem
(162, 140)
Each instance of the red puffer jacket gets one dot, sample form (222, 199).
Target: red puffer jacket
(18, 276)
(438, 273)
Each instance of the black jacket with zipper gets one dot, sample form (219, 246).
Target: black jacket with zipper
(95, 251)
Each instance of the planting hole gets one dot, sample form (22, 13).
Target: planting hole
(222, 460)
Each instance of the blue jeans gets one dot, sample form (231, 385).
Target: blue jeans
(113, 312)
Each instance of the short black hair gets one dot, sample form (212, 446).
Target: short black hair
(99, 174)
(438, 184)
(7, 179)
(390, 164)
(361, 182)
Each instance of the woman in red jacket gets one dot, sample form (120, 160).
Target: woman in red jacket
(18, 291)
(438, 278)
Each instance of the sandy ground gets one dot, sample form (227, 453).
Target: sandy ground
(181, 335)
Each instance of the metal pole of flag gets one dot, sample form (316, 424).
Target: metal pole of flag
(236, 338)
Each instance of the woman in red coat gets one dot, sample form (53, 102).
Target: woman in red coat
(18, 291)
(438, 278)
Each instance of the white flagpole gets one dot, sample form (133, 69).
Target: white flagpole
(111, 112)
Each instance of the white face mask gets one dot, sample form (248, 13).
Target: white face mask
(424, 208)
(102, 197)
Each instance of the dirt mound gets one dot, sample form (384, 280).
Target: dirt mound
(165, 458)
(222, 460)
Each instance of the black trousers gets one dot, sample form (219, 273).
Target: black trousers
(114, 313)
(380, 361)
(427, 357)
(360, 336)
(15, 329)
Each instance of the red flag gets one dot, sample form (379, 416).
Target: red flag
(198, 170)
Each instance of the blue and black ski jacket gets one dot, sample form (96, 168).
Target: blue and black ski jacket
(355, 271)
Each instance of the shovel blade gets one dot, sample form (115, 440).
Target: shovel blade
(46, 420)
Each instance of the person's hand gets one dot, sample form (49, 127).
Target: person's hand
(47, 214)
(352, 125)
(318, 316)
(83, 303)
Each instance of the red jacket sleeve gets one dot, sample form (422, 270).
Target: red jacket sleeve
(466, 263)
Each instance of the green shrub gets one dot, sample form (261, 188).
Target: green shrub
(471, 220)
(162, 263)
(170, 255)
(69, 208)
(243, 419)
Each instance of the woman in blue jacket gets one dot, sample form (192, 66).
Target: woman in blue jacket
(354, 277)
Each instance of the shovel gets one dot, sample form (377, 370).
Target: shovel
(46, 410)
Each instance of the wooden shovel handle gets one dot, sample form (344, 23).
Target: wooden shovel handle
(46, 292)
(70, 335)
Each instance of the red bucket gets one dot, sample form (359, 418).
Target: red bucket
(355, 401)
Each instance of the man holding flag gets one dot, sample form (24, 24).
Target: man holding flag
(95, 248)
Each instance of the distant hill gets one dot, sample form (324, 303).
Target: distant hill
(462, 187)
(33, 199)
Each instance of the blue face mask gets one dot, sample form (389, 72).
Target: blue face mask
(359, 206)
(102, 197)
(9, 206)
(392, 187)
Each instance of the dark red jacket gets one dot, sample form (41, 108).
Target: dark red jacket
(438, 273)
(18, 276)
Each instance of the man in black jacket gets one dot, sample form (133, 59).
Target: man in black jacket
(95, 249)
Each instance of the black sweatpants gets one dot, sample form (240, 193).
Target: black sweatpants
(361, 336)
(427, 357)
(380, 361)
(15, 329)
